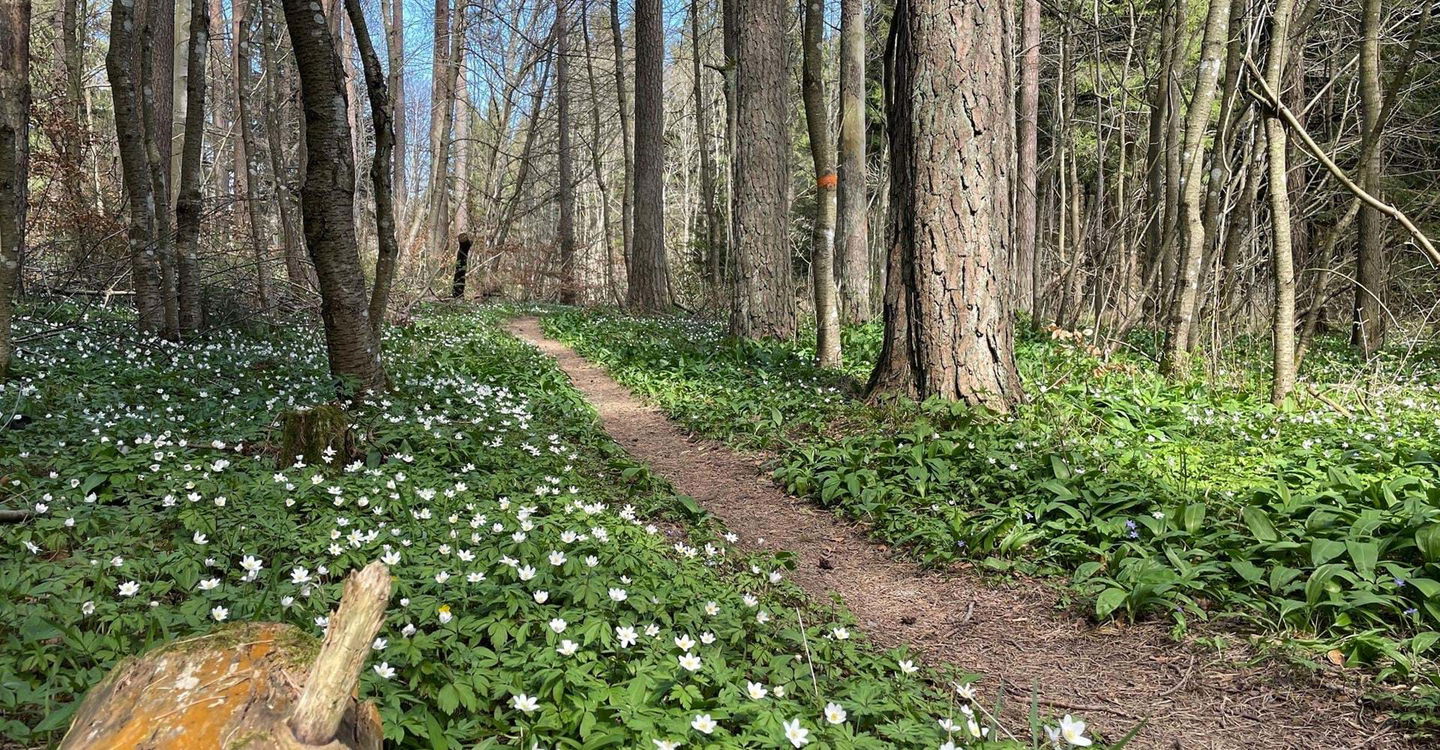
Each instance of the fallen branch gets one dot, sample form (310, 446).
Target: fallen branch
(1270, 100)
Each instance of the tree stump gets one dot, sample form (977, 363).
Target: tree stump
(305, 434)
(251, 685)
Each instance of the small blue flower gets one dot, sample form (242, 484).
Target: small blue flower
(1399, 581)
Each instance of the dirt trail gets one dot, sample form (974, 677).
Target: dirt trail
(1014, 636)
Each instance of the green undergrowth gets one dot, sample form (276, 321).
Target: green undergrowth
(1310, 523)
(538, 601)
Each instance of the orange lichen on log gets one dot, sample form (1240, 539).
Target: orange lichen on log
(240, 687)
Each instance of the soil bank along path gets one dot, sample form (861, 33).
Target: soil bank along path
(1012, 634)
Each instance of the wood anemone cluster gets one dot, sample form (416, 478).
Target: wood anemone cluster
(252, 685)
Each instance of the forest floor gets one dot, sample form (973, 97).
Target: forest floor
(1011, 632)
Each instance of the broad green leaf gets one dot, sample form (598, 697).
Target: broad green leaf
(1365, 555)
(1108, 601)
(1260, 524)
(1428, 540)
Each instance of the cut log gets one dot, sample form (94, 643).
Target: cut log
(249, 685)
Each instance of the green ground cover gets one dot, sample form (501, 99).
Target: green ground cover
(1312, 522)
(537, 604)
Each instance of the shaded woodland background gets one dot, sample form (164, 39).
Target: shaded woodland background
(536, 157)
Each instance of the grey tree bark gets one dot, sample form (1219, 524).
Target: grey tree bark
(122, 66)
(853, 201)
(714, 247)
(1197, 124)
(247, 150)
(188, 201)
(822, 156)
(299, 273)
(388, 247)
(1367, 332)
(1283, 260)
(1027, 147)
(326, 200)
(627, 192)
(565, 158)
(393, 15)
(14, 160)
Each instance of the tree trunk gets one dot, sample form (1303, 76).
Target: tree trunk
(247, 150)
(1371, 264)
(14, 160)
(188, 203)
(852, 202)
(462, 266)
(596, 165)
(380, 116)
(1197, 123)
(627, 193)
(296, 270)
(123, 69)
(765, 300)
(950, 195)
(1283, 375)
(730, 45)
(649, 270)
(565, 227)
(326, 200)
(393, 21)
(71, 151)
(1026, 209)
(157, 63)
(822, 154)
(449, 46)
(714, 250)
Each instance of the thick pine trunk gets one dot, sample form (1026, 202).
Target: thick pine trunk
(764, 291)
(951, 130)
(326, 200)
(649, 269)
(822, 155)
(14, 160)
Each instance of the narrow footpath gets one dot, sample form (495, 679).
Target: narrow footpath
(1012, 634)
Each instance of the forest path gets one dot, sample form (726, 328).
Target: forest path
(1012, 634)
